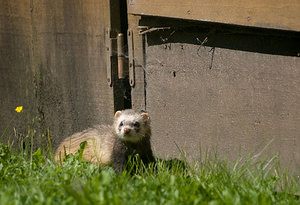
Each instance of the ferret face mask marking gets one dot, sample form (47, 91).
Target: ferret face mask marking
(130, 126)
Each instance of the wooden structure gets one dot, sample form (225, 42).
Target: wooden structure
(264, 14)
(221, 75)
(53, 61)
(212, 74)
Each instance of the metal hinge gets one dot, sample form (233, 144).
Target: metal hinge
(122, 67)
(115, 57)
(115, 42)
(131, 58)
(110, 44)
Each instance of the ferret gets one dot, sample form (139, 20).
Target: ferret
(112, 145)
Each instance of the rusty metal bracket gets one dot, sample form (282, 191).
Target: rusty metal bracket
(131, 58)
(121, 57)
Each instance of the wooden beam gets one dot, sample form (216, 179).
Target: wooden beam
(275, 14)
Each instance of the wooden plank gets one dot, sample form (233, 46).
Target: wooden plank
(70, 50)
(234, 92)
(53, 62)
(274, 14)
(16, 69)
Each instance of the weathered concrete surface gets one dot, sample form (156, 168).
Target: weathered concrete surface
(53, 63)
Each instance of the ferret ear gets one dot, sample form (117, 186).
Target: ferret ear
(146, 116)
(117, 114)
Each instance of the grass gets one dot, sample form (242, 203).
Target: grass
(36, 179)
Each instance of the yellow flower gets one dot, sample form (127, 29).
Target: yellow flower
(19, 109)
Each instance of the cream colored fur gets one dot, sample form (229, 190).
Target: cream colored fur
(100, 140)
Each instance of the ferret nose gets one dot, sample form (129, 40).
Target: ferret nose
(127, 130)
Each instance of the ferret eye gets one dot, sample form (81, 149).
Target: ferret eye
(121, 124)
(137, 124)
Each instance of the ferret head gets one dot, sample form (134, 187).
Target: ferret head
(131, 126)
